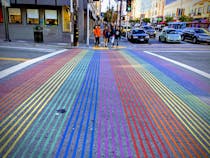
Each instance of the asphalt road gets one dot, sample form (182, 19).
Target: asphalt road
(10, 56)
(135, 100)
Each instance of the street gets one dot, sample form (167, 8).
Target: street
(135, 100)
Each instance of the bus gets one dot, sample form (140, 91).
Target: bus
(182, 25)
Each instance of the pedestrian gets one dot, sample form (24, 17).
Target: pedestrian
(112, 34)
(97, 34)
(117, 35)
(106, 36)
(94, 33)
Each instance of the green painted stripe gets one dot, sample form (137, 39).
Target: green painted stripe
(43, 97)
(50, 110)
(176, 105)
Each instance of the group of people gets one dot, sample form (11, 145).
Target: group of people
(110, 34)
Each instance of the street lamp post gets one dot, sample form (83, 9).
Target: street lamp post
(71, 22)
(88, 20)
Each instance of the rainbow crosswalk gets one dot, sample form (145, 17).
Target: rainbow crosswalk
(118, 103)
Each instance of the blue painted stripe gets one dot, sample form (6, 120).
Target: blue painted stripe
(83, 87)
(64, 98)
(94, 118)
(91, 99)
(188, 89)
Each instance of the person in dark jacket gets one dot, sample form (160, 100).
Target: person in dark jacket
(117, 35)
(112, 35)
(106, 36)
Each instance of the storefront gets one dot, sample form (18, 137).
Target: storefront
(22, 18)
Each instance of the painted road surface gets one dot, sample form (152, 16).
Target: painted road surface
(104, 103)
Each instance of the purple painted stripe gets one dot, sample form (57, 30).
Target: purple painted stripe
(181, 73)
(111, 108)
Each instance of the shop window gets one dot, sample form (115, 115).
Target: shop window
(51, 17)
(32, 16)
(14, 15)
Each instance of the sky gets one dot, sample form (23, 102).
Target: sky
(105, 4)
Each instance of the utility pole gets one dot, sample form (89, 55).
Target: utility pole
(71, 23)
(120, 12)
(5, 4)
(75, 19)
(88, 23)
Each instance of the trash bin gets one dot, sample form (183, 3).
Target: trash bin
(38, 34)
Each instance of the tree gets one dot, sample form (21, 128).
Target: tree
(169, 19)
(135, 20)
(185, 18)
(110, 16)
(146, 20)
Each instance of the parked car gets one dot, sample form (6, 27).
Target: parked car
(125, 29)
(196, 35)
(138, 35)
(149, 30)
(170, 35)
(179, 31)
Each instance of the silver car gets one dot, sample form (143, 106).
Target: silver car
(149, 30)
(138, 35)
(170, 35)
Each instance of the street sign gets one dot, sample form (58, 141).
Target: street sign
(5, 3)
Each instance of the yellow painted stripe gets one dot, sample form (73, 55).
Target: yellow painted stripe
(41, 91)
(171, 100)
(44, 99)
(14, 59)
(100, 48)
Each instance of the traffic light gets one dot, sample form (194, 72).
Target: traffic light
(128, 6)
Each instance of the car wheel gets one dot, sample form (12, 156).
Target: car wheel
(195, 40)
(159, 39)
(182, 38)
(165, 40)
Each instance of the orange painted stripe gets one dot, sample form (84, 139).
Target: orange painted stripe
(164, 126)
(179, 128)
(20, 93)
(15, 59)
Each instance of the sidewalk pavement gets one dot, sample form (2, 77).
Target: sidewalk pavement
(49, 45)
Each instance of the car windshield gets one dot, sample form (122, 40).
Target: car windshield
(138, 31)
(200, 31)
(171, 32)
(148, 28)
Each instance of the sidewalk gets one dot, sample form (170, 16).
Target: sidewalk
(48, 45)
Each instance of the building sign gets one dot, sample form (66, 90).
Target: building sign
(66, 19)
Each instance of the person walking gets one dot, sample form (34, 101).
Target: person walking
(117, 35)
(97, 34)
(106, 36)
(112, 34)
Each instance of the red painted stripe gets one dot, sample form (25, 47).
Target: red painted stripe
(16, 94)
(140, 85)
(139, 109)
(129, 104)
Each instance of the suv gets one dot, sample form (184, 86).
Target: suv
(149, 30)
(196, 35)
(125, 29)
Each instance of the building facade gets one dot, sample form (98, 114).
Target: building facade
(197, 9)
(157, 11)
(52, 15)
